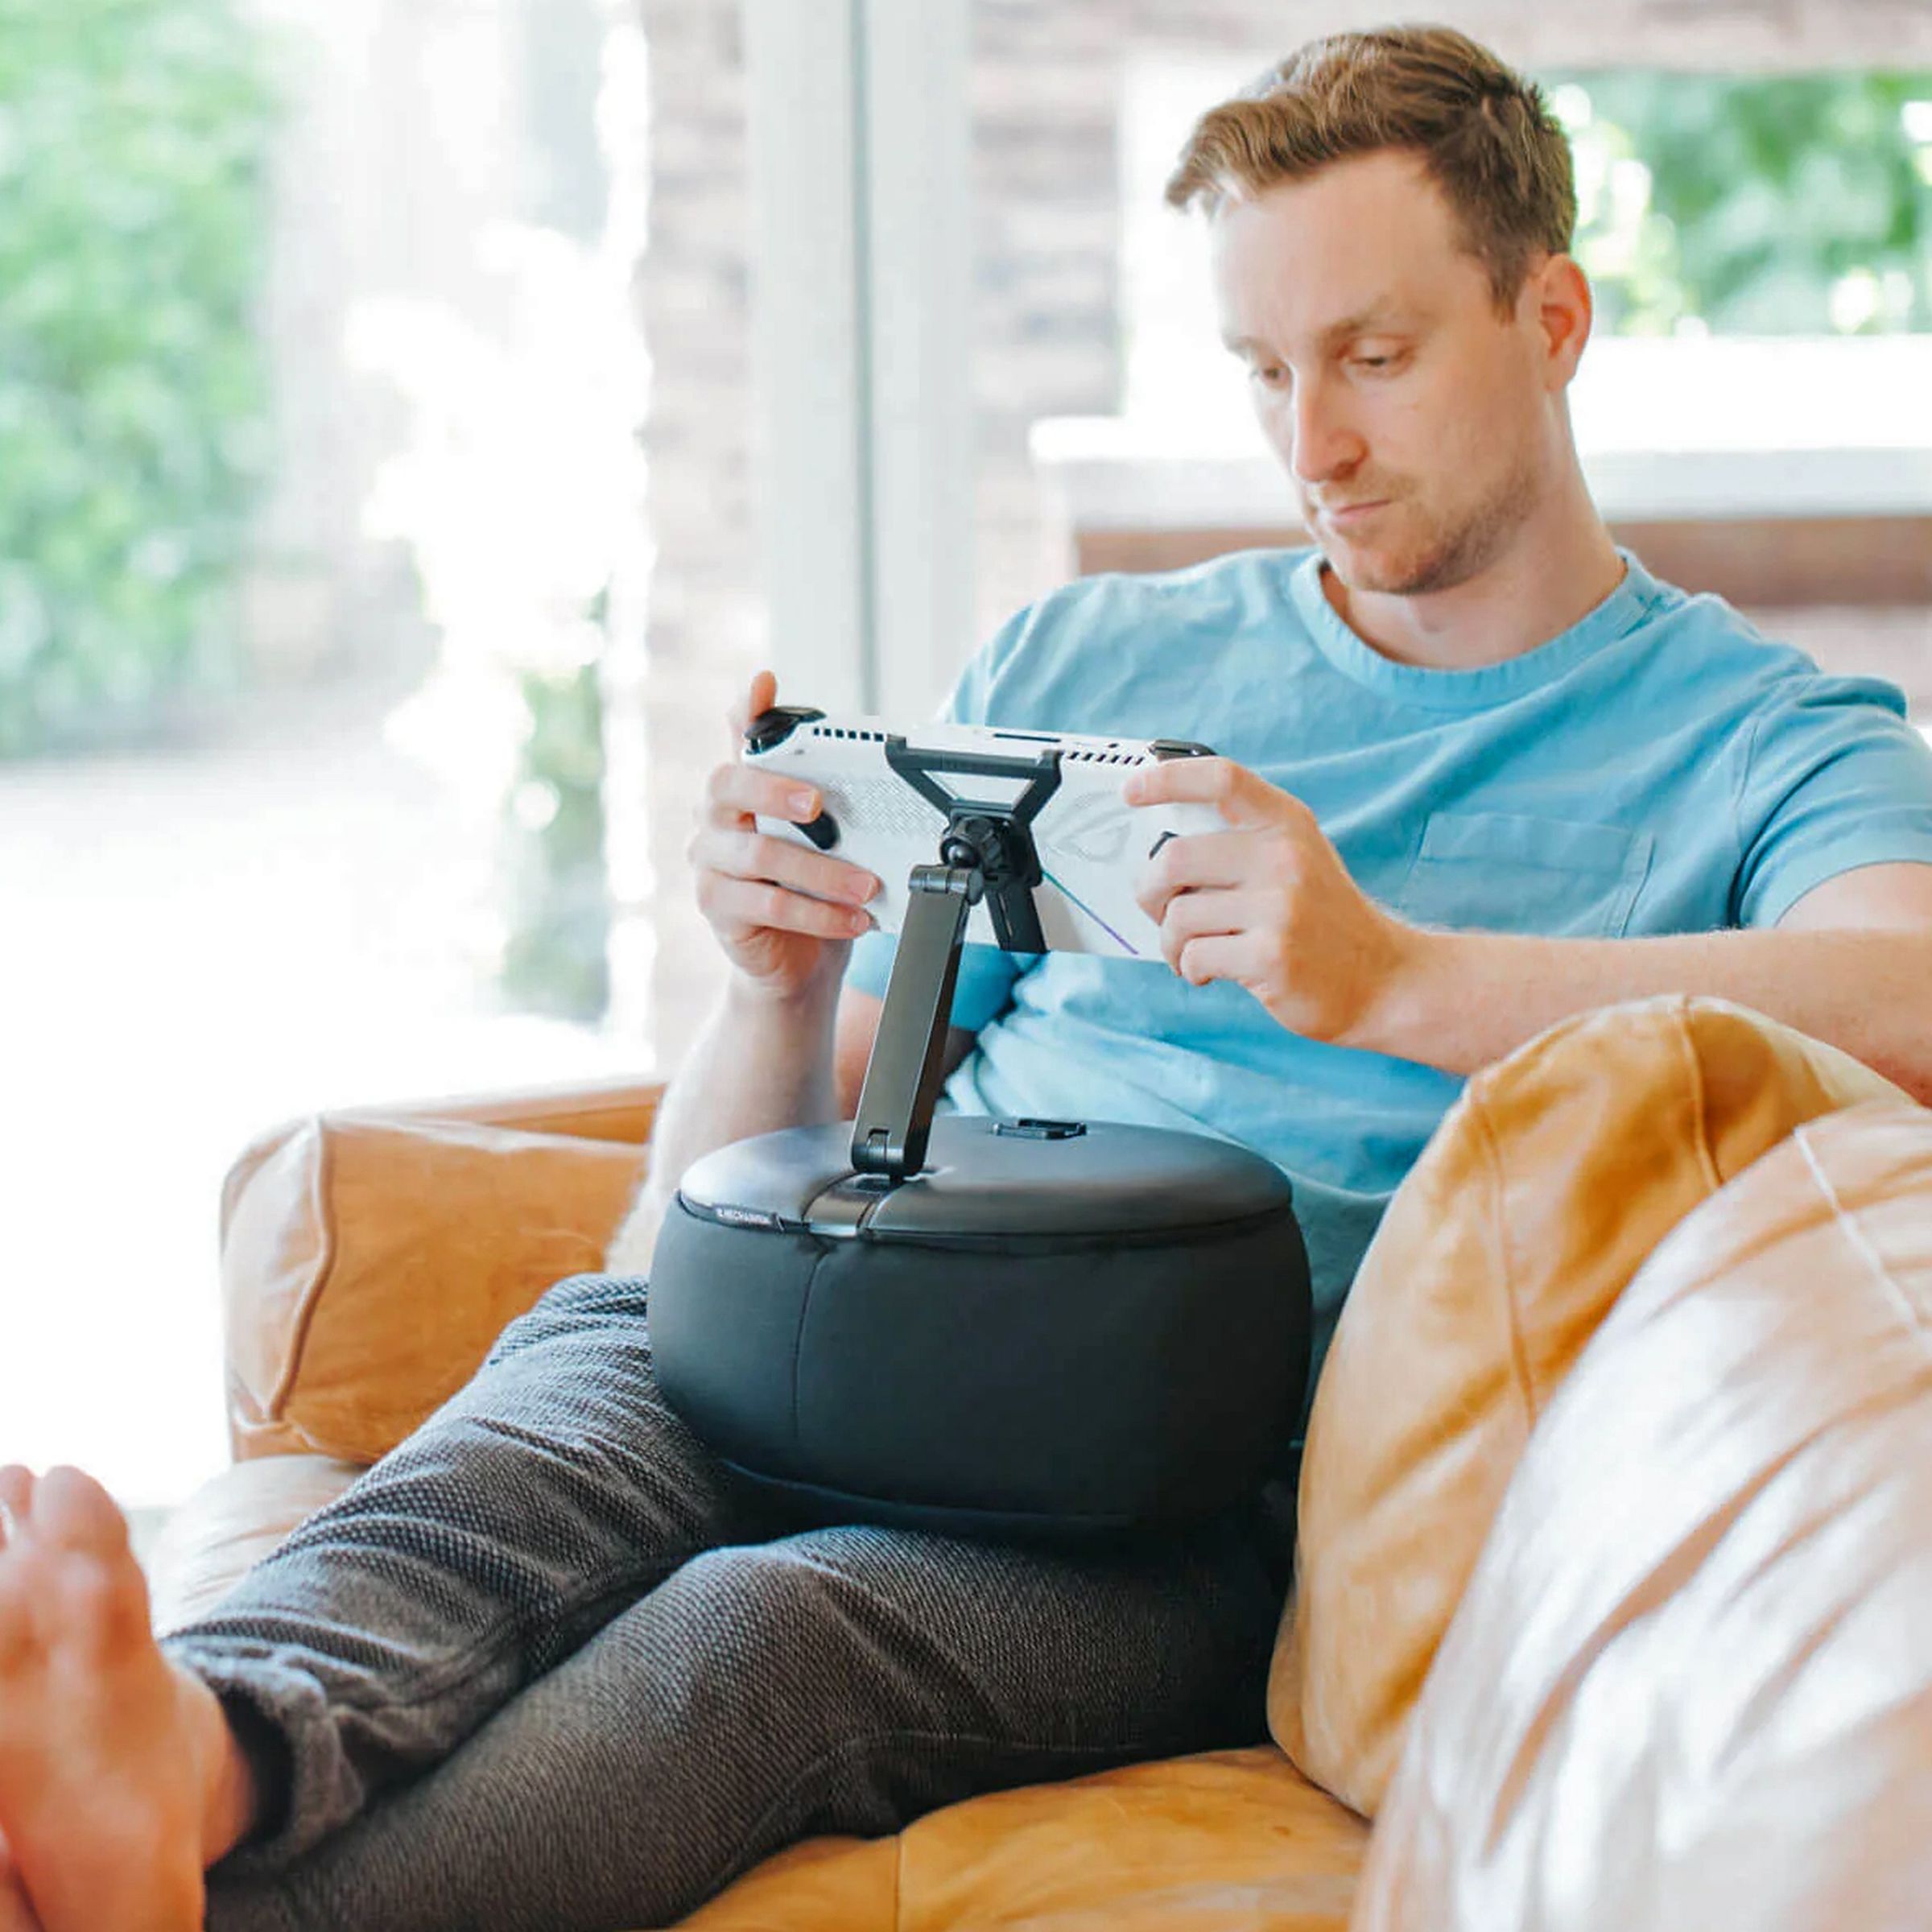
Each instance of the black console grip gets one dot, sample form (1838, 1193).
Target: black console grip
(772, 728)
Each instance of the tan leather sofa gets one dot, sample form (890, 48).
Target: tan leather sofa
(1614, 1593)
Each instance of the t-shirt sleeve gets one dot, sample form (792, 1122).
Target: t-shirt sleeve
(987, 973)
(1834, 778)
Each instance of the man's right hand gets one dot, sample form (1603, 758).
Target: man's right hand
(765, 898)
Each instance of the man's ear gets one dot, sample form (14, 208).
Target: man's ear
(1558, 291)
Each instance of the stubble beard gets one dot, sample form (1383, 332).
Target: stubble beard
(1445, 558)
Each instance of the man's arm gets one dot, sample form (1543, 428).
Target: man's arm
(1269, 904)
(1850, 963)
(784, 917)
(859, 1014)
(759, 1065)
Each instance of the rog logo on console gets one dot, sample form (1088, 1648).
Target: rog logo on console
(1094, 828)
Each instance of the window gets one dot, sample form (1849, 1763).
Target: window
(319, 503)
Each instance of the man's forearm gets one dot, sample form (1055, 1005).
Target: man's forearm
(759, 1064)
(1465, 999)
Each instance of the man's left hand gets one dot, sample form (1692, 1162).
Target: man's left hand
(1268, 904)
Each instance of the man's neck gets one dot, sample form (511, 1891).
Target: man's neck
(1549, 580)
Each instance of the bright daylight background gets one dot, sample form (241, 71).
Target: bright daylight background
(326, 548)
(318, 480)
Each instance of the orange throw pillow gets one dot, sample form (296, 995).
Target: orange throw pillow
(369, 1262)
(1542, 1193)
(1691, 1684)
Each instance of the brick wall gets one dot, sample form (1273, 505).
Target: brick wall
(1045, 84)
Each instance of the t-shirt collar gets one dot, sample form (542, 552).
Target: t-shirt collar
(1438, 689)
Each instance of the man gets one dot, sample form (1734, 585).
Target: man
(540, 1667)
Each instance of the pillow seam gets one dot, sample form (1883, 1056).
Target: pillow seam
(318, 1281)
(1848, 1220)
(1700, 1106)
(1499, 1222)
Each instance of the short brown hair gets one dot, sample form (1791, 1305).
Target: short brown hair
(1484, 133)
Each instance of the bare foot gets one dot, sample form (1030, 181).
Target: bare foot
(16, 1914)
(119, 1781)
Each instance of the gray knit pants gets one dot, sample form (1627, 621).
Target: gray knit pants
(545, 1666)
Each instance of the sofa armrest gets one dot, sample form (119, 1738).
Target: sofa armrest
(369, 1260)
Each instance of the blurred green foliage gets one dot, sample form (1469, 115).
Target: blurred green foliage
(133, 145)
(1754, 204)
(557, 908)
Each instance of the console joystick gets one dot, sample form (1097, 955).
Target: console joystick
(822, 830)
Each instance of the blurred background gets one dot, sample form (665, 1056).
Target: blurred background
(418, 417)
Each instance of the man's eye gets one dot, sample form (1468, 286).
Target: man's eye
(1270, 375)
(1376, 362)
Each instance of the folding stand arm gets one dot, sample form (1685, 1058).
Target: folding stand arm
(902, 1077)
(987, 851)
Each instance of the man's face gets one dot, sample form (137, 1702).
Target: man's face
(1411, 415)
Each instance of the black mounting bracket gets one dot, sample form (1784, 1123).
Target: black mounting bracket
(986, 851)
(994, 835)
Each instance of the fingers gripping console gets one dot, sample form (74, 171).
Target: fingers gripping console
(892, 799)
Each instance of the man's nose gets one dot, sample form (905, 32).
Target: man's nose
(1325, 443)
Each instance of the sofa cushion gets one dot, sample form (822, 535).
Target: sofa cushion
(229, 1524)
(369, 1262)
(1690, 1681)
(1544, 1188)
(1228, 1841)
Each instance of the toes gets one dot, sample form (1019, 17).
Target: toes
(13, 1896)
(71, 1511)
(16, 1499)
(21, 1577)
(16, 1914)
(94, 1590)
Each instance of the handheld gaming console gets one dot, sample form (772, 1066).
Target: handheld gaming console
(1039, 814)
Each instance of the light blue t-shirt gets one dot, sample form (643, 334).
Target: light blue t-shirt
(1659, 768)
